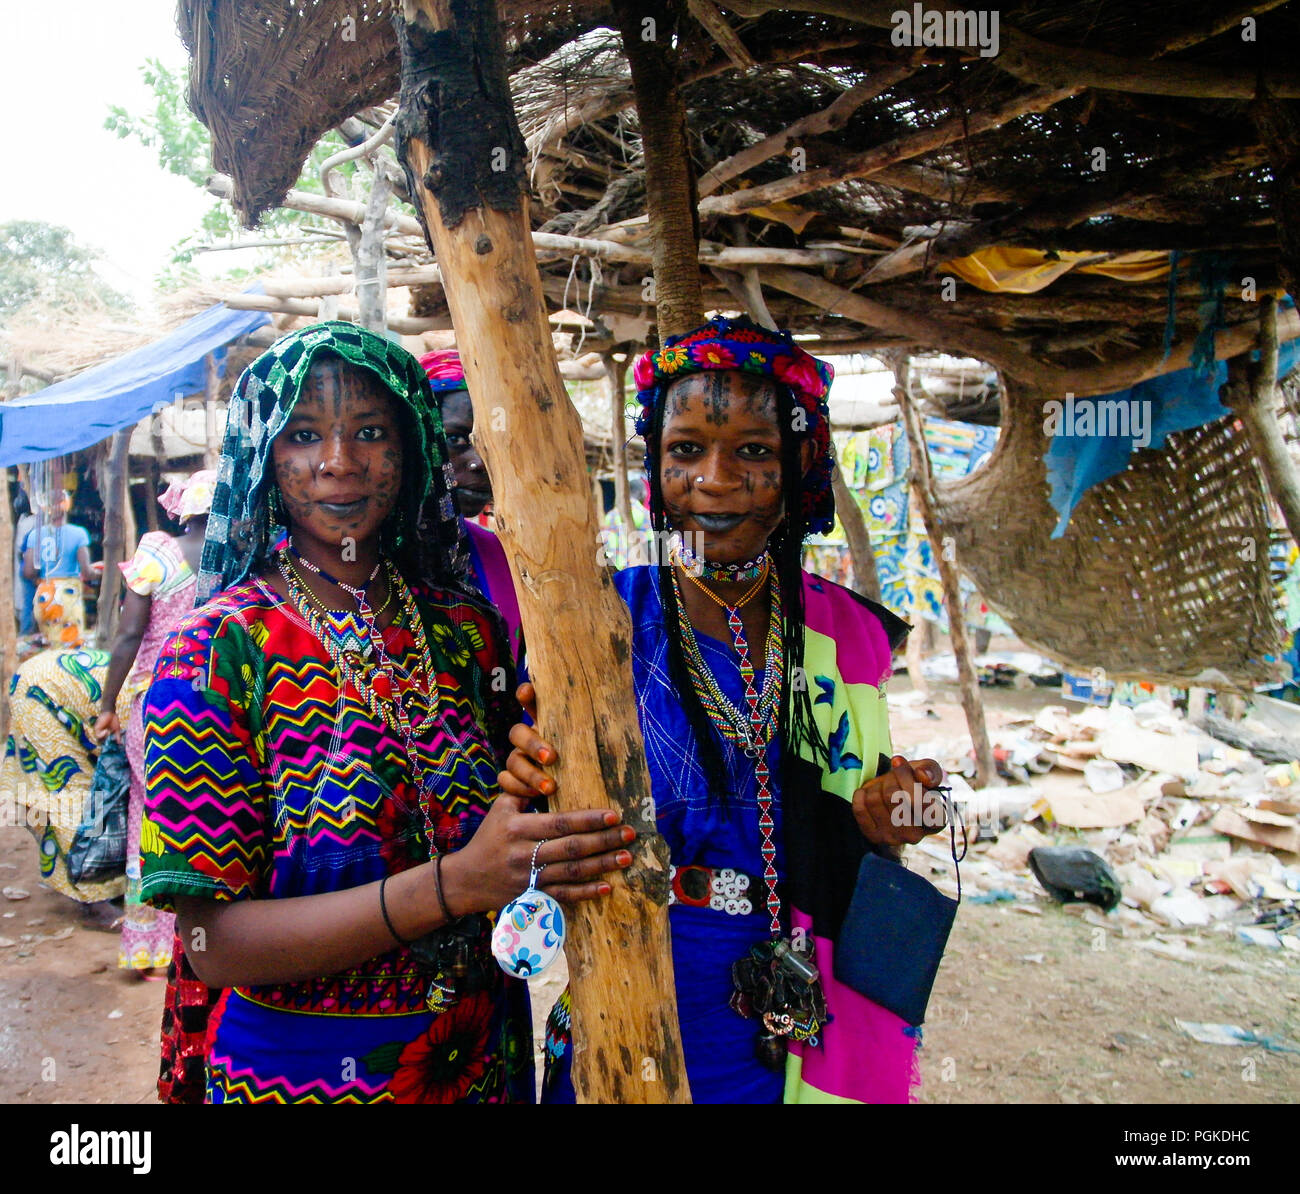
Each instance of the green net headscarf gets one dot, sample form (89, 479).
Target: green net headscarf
(425, 540)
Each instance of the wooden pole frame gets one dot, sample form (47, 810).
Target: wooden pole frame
(923, 495)
(113, 487)
(459, 142)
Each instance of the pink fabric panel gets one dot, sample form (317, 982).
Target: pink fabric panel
(832, 611)
(501, 585)
(868, 1053)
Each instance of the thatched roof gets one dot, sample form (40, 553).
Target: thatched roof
(1103, 128)
(863, 188)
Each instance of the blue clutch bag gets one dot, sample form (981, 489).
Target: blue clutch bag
(893, 937)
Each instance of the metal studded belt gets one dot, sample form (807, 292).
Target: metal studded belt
(725, 890)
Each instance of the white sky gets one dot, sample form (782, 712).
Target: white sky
(62, 65)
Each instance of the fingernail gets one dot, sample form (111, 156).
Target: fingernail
(604, 889)
(546, 756)
(548, 786)
(629, 834)
(623, 858)
(611, 818)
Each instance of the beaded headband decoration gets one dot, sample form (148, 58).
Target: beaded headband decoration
(742, 345)
(444, 370)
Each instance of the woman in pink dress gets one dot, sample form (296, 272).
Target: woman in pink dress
(160, 581)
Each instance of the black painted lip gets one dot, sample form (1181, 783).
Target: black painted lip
(718, 522)
(344, 507)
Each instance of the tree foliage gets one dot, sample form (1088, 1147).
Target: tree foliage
(184, 148)
(42, 263)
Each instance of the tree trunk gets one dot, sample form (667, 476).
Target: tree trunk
(646, 28)
(114, 491)
(459, 143)
(923, 495)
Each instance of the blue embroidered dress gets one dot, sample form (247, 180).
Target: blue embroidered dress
(866, 1053)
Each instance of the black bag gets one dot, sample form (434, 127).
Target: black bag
(99, 846)
(1071, 874)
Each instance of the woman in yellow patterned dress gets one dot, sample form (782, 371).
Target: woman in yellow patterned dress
(48, 765)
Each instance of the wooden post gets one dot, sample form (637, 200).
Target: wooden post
(114, 492)
(153, 471)
(8, 602)
(369, 262)
(865, 578)
(646, 27)
(1252, 395)
(923, 496)
(616, 377)
(212, 429)
(458, 140)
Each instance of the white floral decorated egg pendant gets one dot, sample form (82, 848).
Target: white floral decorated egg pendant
(529, 932)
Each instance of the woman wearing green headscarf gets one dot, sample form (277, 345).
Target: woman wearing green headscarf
(323, 739)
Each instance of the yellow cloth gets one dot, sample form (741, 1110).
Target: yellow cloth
(1011, 270)
(46, 771)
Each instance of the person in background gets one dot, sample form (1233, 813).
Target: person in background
(161, 581)
(24, 589)
(48, 765)
(473, 492)
(57, 557)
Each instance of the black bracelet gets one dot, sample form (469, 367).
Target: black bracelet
(383, 907)
(442, 901)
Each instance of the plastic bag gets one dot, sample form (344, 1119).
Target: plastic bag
(99, 846)
(1072, 874)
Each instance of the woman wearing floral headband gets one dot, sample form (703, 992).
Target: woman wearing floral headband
(759, 689)
(322, 744)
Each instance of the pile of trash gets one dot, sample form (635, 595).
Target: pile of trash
(1187, 831)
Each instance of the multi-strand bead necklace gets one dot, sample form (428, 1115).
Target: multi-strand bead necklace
(753, 729)
(383, 685)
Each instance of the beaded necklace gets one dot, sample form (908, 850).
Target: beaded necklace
(321, 605)
(378, 684)
(753, 730)
(699, 566)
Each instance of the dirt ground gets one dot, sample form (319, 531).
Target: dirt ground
(1046, 1006)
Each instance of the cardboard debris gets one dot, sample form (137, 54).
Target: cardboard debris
(1275, 837)
(1152, 750)
(1085, 811)
(1263, 816)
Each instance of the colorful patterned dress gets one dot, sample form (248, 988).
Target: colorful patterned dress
(866, 1053)
(158, 570)
(50, 759)
(268, 780)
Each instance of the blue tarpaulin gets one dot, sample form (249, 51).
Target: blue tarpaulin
(1079, 459)
(85, 409)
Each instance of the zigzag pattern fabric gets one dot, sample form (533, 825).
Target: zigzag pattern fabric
(267, 778)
